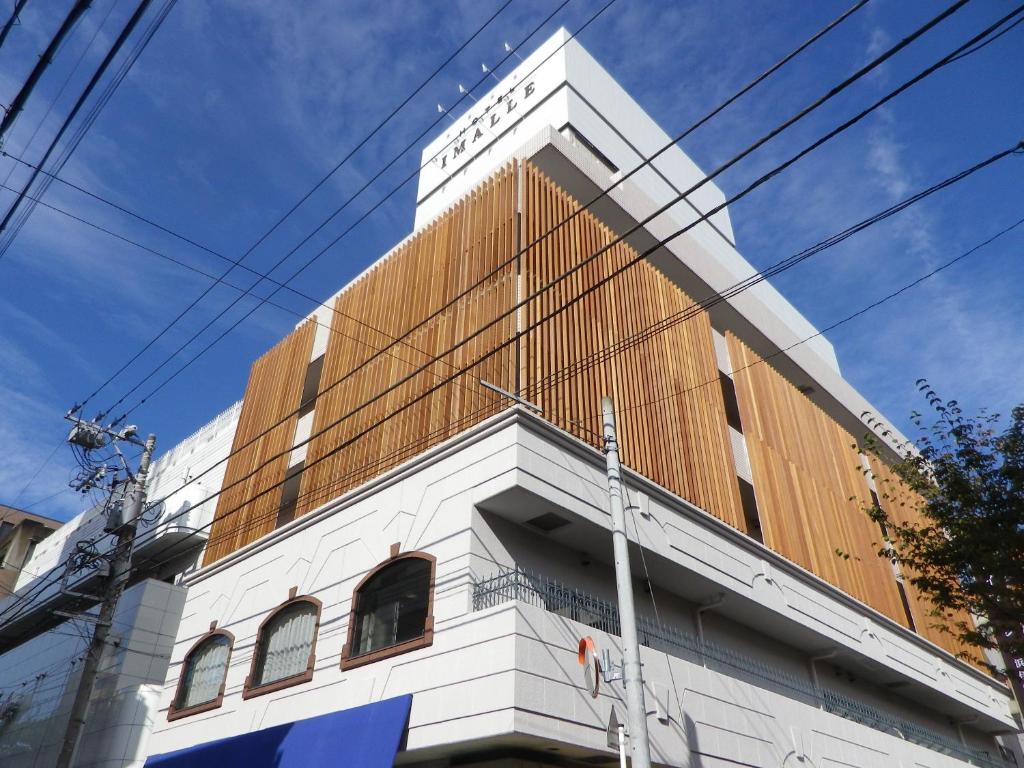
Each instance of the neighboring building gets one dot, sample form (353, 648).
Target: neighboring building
(20, 534)
(420, 585)
(46, 625)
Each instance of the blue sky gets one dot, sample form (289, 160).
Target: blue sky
(235, 109)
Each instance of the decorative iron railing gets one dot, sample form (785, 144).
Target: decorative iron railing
(520, 585)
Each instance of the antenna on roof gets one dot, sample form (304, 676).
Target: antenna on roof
(443, 111)
(487, 71)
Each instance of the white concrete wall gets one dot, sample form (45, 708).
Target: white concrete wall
(462, 688)
(510, 671)
(711, 719)
(42, 676)
(729, 561)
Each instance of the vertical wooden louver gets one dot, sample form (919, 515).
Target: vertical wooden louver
(811, 489)
(247, 509)
(564, 363)
(672, 427)
(903, 505)
(455, 254)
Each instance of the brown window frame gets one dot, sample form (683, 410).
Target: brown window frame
(248, 690)
(348, 661)
(173, 713)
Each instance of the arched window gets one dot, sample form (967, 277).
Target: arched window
(203, 672)
(285, 647)
(391, 610)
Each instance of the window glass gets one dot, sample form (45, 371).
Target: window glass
(205, 669)
(30, 551)
(392, 606)
(286, 643)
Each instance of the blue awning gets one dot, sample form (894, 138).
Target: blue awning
(366, 736)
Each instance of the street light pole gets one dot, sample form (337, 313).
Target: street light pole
(632, 671)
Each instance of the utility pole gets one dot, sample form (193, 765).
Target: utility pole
(632, 671)
(91, 434)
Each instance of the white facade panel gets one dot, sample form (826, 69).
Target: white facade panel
(40, 678)
(502, 666)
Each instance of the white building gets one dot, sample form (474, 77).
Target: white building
(481, 559)
(45, 626)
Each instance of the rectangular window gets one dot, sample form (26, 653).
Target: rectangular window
(311, 386)
(750, 513)
(732, 405)
(31, 550)
(570, 132)
(290, 495)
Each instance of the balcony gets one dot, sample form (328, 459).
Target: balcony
(534, 589)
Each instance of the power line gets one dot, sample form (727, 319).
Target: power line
(35, 474)
(323, 180)
(42, 64)
(181, 369)
(860, 312)
(767, 73)
(785, 264)
(546, 385)
(566, 305)
(12, 20)
(331, 328)
(306, 239)
(45, 498)
(38, 169)
(60, 91)
(876, 62)
(91, 115)
(558, 310)
(991, 40)
(524, 249)
(100, 70)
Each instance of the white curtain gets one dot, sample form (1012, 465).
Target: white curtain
(379, 627)
(286, 644)
(207, 666)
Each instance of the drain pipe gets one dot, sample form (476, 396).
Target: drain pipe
(707, 605)
(823, 656)
(960, 728)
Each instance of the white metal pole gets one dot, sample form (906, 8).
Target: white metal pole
(632, 673)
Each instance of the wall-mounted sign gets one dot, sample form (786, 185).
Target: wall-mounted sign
(587, 657)
(485, 123)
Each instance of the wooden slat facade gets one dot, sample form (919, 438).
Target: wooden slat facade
(460, 249)
(810, 486)
(682, 442)
(273, 392)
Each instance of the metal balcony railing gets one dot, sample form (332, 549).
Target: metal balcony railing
(520, 585)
